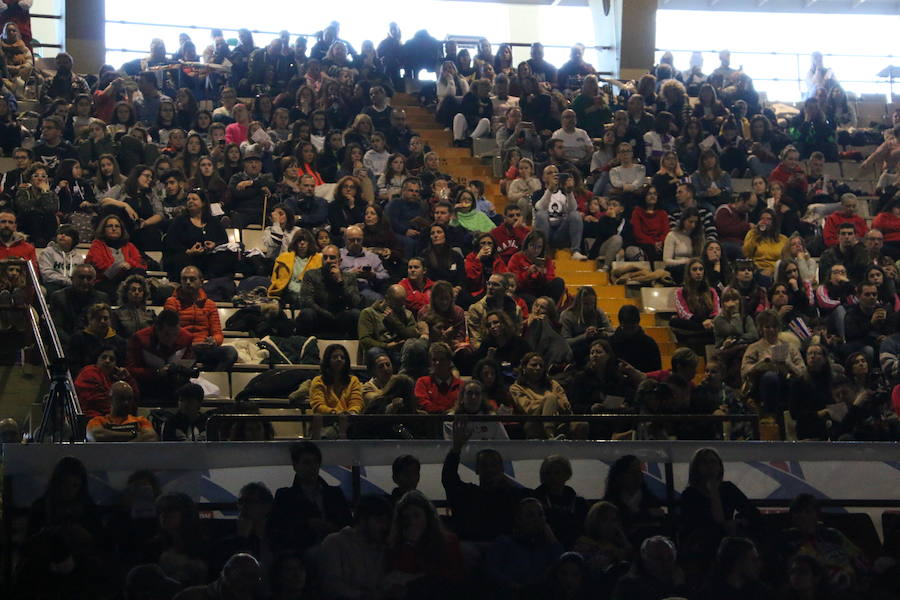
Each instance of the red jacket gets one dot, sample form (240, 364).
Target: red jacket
(782, 175)
(435, 398)
(509, 241)
(92, 387)
(200, 318)
(888, 225)
(475, 272)
(416, 300)
(101, 258)
(19, 248)
(834, 221)
(647, 228)
(144, 344)
(528, 282)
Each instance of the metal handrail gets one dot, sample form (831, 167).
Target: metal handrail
(214, 421)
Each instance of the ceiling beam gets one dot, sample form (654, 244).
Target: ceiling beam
(808, 3)
(761, 3)
(857, 3)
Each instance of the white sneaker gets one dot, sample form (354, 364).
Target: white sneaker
(576, 255)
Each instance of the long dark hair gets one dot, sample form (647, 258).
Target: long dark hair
(131, 184)
(614, 477)
(115, 179)
(301, 233)
(585, 316)
(697, 236)
(773, 231)
(724, 263)
(544, 383)
(432, 546)
(697, 294)
(66, 467)
(328, 376)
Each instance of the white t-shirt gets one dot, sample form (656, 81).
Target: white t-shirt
(576, 145)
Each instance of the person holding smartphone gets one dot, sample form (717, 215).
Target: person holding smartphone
(556, 212)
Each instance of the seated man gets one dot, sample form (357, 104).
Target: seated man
(656, 574)
(120, 425)
(496, 298)
(240, 578)
(249, 190)
(577, 145)
(866, 323)
(632, 344)
(175, 194)
(484, 510)
(200, 317)
(188, 424)
(389, 326)
(370, 272)
(13, 243)
(510, 234)
(556, 212)
(303, 514)
(847, 214)
(437, 392)
(311, 211)
(69, 305)
(407, 214)
(352, 560)
(160, 358)
(329, 299)
(457, 237)
(849, 252)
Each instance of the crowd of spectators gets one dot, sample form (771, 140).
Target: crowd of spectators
(489, 538)
(365, 236)
(457, 305)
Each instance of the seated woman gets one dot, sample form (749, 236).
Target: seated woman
(472, 401)
(712, 183)
(583, 322)
(683, 243)
(769, 362)
(348, 207)
(812, 394)
(834, 297)
(494, 388)
(132, 314)
(800, 295)
(290, 267)
(277, 236)
(604, 545)
(94, 381)
(446, 321)
(795, 249)
(564, 509)
(542, 334)
(481, 263)
(764, 244)
(734, 330)
(649, 226)
(336, 391)
(753, 295)
(534, 271)
(521, 189)
(697, 304)
(887, 289)
(639, 509)
(501, 342)
(396, 397)
(421, 553)
(717, 265)
(36, 205)
(66, 502)
(196, 239)
(59, 258)
(537, 394)
(140, 209)
(379, 238)
(76, 194)
(389, 183)
(467, 214)
(888, 223)
(445, 262)
(113, 256)
(710, 506)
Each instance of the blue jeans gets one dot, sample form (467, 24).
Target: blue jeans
(569, 230)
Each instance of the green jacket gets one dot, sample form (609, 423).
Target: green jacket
(376, 330)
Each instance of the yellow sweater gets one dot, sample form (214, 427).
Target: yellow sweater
(284, 269)
(764, 252)
(323, 400)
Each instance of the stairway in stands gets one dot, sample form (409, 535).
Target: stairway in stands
(460, 163)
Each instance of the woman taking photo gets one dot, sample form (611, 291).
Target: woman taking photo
(113, 256)
(764, 244)
(481, 264)
(193, 239)
(537, 394)
(535, 273)
(683, 243)
(697, 304)
(650, 225)
(290, 267)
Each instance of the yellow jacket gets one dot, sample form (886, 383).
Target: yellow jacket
(764, 252)
(284, 270)
(323, 400)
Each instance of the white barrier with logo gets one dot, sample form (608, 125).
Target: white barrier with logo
(215, 472)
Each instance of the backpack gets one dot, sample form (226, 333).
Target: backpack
(275, 383)
(293, 350)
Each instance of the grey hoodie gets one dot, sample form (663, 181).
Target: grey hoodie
(56, 266)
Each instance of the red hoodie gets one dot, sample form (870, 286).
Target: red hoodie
(509, 241)
(475, 272)
(527, 281)
(101, 258)
(19, 248)
(833, 223)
